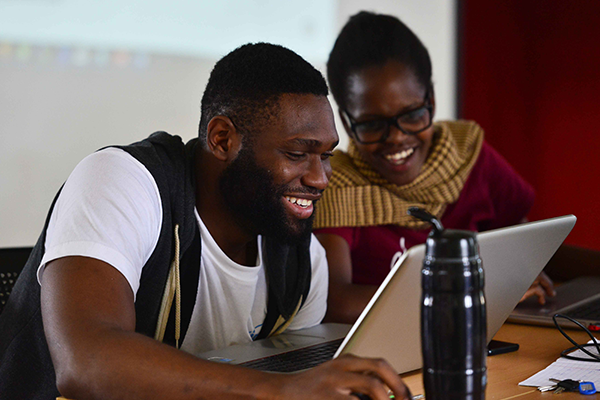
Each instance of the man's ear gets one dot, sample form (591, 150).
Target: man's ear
(223, 138)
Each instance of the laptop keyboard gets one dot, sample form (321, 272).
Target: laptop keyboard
(296, 360)
(588, 311)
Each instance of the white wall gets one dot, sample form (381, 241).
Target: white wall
(52, 113)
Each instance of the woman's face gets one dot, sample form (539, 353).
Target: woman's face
(384, 92)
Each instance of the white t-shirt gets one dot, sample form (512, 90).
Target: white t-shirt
(110, 209)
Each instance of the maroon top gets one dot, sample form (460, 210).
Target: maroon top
(494, 196)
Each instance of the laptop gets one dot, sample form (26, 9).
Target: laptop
(389, 326)
(578, 298)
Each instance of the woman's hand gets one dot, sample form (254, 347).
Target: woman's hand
(542, 287)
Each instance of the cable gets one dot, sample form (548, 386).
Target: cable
(565, 353)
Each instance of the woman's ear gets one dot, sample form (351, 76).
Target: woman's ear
(223, 138)
(432, 101)
(345, 121)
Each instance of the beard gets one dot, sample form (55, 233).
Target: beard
(250, 193)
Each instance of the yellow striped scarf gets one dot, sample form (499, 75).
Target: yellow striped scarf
(358, 195)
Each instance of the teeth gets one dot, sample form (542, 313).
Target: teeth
(304, 203)
(400, 158)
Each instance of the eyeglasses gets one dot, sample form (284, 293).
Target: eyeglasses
(377, 130)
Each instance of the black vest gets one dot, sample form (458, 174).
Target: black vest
(26, 370)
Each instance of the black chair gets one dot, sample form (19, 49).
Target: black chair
(12, 261)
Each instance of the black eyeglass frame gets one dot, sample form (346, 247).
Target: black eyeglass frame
(390, 121)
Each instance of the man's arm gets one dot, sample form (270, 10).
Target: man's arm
(346, 300)
(89, 321)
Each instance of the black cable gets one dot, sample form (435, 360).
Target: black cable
(565, 353)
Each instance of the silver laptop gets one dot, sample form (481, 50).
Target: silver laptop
(578, 299)
(389, 326)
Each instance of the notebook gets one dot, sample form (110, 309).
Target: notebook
(389, 326)
(578, 298)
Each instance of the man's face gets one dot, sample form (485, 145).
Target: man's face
(273, 183)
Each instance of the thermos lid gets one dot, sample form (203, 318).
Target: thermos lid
(446, 243)
(452, 244)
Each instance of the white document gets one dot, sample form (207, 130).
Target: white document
(564, 368)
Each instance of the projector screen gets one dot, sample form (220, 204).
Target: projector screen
(87, 32)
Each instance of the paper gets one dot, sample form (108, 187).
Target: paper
(563, 368)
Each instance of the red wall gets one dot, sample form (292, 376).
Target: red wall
(531, 77)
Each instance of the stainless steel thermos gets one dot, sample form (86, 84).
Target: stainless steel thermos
(453, 314)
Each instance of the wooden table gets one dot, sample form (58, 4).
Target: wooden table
(539, 347)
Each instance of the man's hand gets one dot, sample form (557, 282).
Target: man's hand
(339, 378)
(541, 287)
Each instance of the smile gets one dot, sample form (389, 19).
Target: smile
(304, 203)
(400, 157)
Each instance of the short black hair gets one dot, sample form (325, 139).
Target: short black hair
(370, 39)
(247, 83)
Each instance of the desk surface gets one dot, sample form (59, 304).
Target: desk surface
(539, 347)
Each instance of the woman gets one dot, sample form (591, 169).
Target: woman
(380, 76)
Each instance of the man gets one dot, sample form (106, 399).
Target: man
(199, 245)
